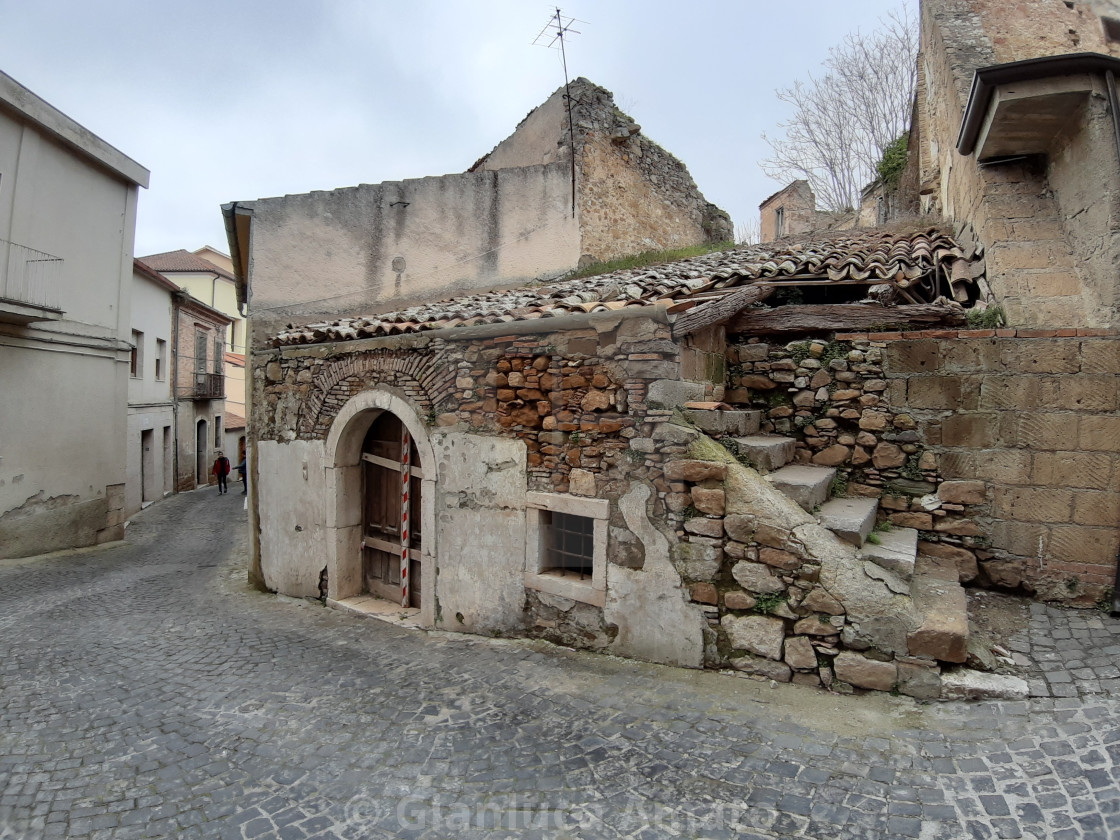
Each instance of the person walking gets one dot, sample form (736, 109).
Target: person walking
(241, 475)
(221, 470)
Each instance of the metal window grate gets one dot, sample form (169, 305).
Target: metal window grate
(569, 543)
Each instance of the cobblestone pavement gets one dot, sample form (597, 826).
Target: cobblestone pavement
(146, 691)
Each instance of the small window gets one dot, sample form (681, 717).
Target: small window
(568, 542)
(566, 546)
(1111, 29)
(161, 358)
(217, 431)
(136, 356)
(780, 222)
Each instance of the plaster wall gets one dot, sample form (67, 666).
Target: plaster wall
(382, 246)
(292, 494)
(62, 446)
(151, 315)
(149, 468)
(480, 512)
(539, 138)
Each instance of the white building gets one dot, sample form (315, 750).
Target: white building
(67, 221)
(151, 415)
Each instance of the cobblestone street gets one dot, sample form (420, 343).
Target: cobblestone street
(147, 691)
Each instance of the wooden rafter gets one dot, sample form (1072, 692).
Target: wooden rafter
(842, 316)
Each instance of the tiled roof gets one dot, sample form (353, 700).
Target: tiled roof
(862, 256)
(233, 422)
(183, 260)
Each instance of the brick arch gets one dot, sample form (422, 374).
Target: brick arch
(424, 378)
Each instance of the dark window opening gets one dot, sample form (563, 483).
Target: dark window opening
(569, 544)
(1111, 29)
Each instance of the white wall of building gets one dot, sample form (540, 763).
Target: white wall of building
(67, 194)
(151, 422)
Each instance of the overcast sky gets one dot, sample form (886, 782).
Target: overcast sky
(243, 99)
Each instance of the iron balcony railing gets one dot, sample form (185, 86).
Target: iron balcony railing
(209, 386)
(29, 277)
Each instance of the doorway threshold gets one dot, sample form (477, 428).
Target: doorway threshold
(369, 607)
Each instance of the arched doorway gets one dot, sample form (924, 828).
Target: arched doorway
(392, 525)
(201, 456)
(346, 515)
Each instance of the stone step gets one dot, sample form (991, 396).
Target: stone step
(719, 423)
(850, 519)
(766, 452)
(896, 552)
(940, 599)
(806, 485)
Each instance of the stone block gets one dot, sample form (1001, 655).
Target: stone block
(1040, 355)
(708, 500)
(808, 486)
(933, 392)
(814, 626)
(850, 519)
(760, 634)
(672, 433)
(920, 356)
(832, 456)
(874, 421)
(962, 492)
(965, 684)
(919, 521)
(779, 559)
(939, 598)
(694, 471)
(1100, 356)
(653, 369)
(1009, 392)
(973, 430)
(671, 393)
(799, 654)
(581, 483)
(721, 423)
(1001, 466)
(1032, 504)
(757, 578)
(771, 535)
(973, 356)
(1025, 539)
(896, 552)
(920, 681)
(963, 559)
(698, 561)
(766, 668)
(766, 452)
(887, 456)
(703, 527)
(1089, 545)
(739, 601)
(703, 593)
(1086, 393)
(819, 600)
(865, 673)
(740, 526)
(1092, 507)
(1100, 433)
(1042, 431)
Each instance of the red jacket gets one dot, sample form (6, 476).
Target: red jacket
(221, 466)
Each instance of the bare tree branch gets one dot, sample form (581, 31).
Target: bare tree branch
(843, 120)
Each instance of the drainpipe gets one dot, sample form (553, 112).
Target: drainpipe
(175, 389)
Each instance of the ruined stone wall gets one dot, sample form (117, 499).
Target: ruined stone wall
(799, 212)
(1014, 432)
(633, 195)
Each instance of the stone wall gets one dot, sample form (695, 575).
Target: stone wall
(1001, 447)
(633, 195)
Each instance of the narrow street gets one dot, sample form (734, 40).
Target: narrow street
(147, 691)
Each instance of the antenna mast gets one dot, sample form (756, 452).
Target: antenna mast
(556, 28)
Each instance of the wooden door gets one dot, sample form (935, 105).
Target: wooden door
(381, 512)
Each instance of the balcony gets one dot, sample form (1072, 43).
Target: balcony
(30, 283)
(209, 386)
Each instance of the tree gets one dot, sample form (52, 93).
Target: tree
(844, 121)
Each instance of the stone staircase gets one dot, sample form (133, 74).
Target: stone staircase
(932, 584)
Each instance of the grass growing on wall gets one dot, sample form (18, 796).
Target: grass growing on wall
(650, 258)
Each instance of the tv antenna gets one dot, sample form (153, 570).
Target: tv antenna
(553, 33)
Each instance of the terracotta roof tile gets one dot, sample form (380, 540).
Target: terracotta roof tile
(866, 256)
(182, 260)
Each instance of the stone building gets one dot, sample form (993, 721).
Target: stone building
(524, 212)
(788, 459)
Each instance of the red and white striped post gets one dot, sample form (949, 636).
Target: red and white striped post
(406, 483)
